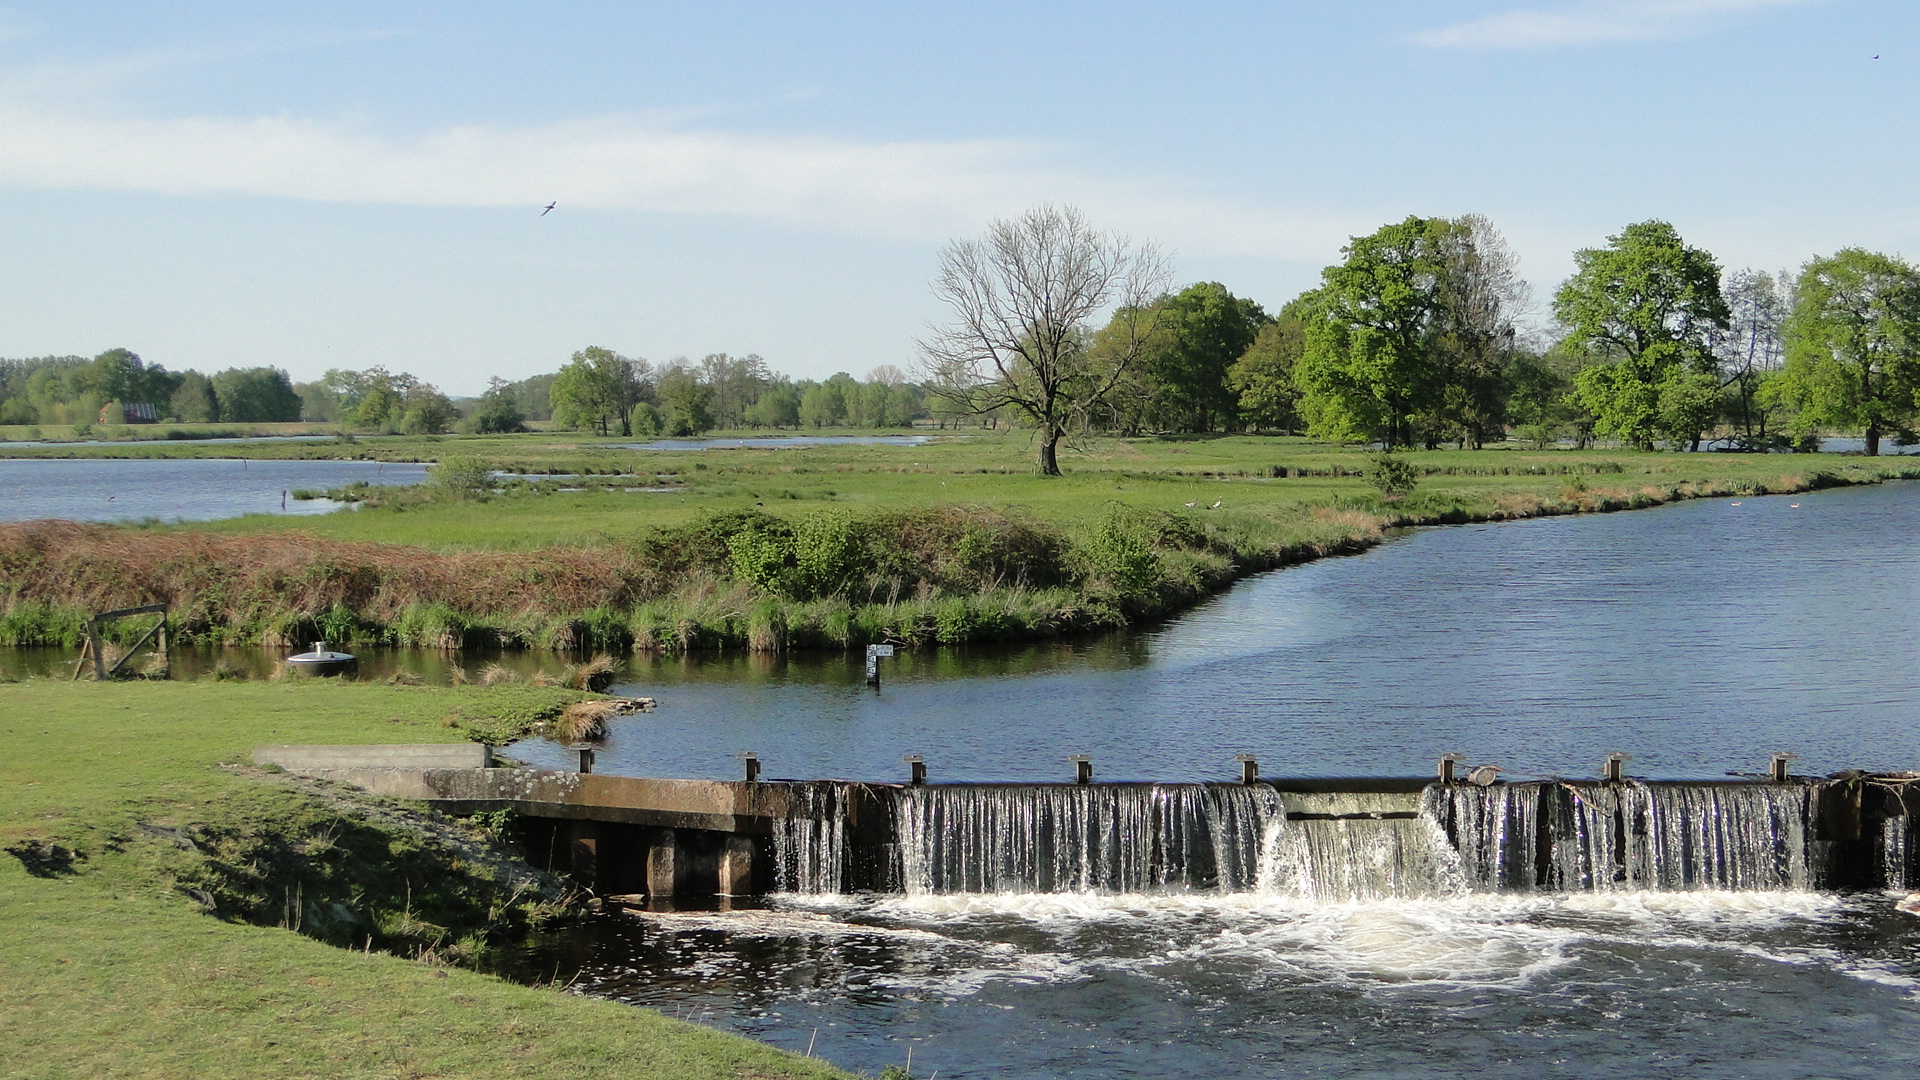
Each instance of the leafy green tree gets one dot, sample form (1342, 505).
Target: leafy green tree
(598, 389)
(193, 401)
(1263, 376)
(733, 384)
(498, 411)
(824, 405)
(685, 402)
(1198, 334)
(1853, 345)
(1641, 308)
(1370, 362)
(778, 407)
(424, 410)
(260, 395)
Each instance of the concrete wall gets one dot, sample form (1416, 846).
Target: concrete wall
(303, 759)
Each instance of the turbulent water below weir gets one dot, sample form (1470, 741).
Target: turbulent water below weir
(1627, 984)
(1531, 930)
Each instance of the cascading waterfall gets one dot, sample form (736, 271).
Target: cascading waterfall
(1358, 846)
(1553, 836)
(1083, 837)
(810, 842)
(1560, 836)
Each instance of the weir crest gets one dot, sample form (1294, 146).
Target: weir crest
(1335, 841)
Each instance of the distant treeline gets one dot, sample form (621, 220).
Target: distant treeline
(118, 387)
(600, 390)
(1417, 338)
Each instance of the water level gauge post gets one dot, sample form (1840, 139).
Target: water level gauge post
(874, 653)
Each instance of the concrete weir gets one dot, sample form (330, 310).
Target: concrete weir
(1314, 838)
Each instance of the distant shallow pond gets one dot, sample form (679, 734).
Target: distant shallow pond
(200, 489)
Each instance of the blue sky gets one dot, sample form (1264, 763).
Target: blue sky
(340, 185)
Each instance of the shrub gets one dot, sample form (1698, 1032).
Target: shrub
(461, 478)
(826, 552)
(1120, 552)
(1392, 475)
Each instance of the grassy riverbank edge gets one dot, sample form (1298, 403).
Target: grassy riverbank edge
(1130, 567)
(111, 965)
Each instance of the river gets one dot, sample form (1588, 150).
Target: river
(1699, 637)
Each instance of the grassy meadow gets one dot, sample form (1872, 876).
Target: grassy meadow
(131, 804)
(593, 545)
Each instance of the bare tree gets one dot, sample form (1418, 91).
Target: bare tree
(1753, 343)
(1483, 296)
(1022, 298)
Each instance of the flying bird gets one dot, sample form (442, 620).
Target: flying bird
(550, 206)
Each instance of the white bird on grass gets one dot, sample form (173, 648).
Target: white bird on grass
(1217, 504)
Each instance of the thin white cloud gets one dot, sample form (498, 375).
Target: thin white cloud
(1593, 22)
(909, 189)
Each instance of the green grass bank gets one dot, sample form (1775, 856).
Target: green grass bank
(179, 911)
(589, 545)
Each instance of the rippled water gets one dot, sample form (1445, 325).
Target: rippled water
(199, 489)
(1700, 638)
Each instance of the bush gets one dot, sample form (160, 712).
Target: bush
(1392, 475)
(461, 478)
(826, 552)
(1121, 551)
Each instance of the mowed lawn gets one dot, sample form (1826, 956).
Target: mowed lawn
(110, 972)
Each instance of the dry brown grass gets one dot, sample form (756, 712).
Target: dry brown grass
(585, 720)
(596, 674)
(214, 580)
(498, 674)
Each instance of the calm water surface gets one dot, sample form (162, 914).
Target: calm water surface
(1700, 638)
(103, 489)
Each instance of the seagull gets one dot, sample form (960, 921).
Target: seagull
(1795, 506)
(1483, 775)
(1734, 504)
(550, 206)
(1217, 504)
